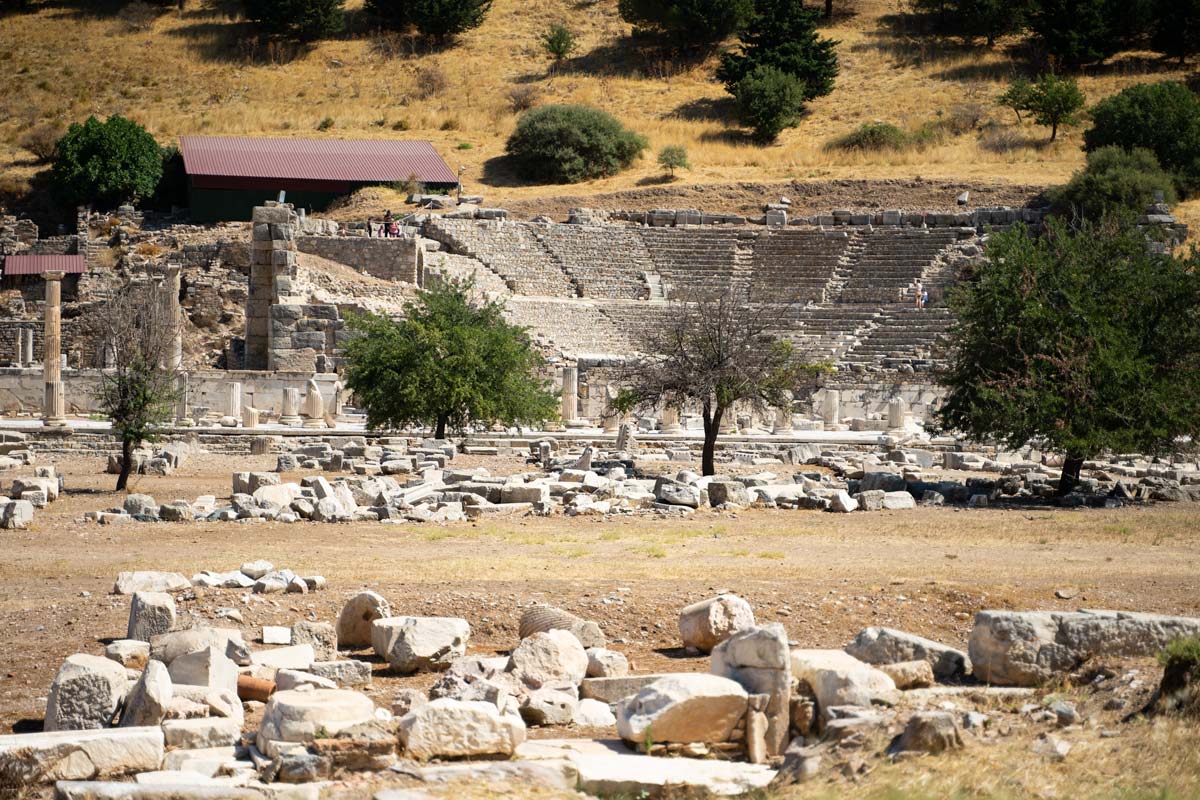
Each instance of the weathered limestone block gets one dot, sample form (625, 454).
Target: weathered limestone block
(150, 613)
(930, 732)
(549, 657)
(909, 674)
(208, 667)
(76, 755)
(688, 707)
(1026, 648)
(890, 646)
(457, 728)
(706, 624)
(150, 581)
(321, 635)
(758, 659)
(85, 693)
(416, 644)
(167, 647)
(603, 663)
(149, 698)
(297, 716)
(839, 679)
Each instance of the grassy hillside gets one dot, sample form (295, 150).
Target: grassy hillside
(195, 71)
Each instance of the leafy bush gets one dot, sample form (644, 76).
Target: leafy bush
(1115, 180)
(325, 124)
(558, 42)
(872, 136)
(673, 157)
(1186, 650)
(441, 20)
(1161, 117)
(768, 101)
(106, 162)
(783, 34)
(304, 20)
(1017, 96)
(569, 143)
(690, 23)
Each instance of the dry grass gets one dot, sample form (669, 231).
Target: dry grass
(196, 72)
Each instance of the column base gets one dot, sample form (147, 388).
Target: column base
(676, 428)
(57, 424)
(291, 422)
(313, 422)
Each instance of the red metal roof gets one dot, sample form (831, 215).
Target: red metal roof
(36, 265)
(354, 160)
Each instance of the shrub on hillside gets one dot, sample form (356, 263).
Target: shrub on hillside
(440, 20)
(783, 34)
(673, 157)
(1161, 117)
(558, 41)
(690, 23)
(1054, 101)
(769, 100)
(1115, 180)
(303, 20)
(567, 144)
(41, 140)
(106, 162)
(872, 136)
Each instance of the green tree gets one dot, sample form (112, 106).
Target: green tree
(303, 20)
(768, 101)
(1017, 96)
(568, 143)
(1161, 117)
(449, 362)
(1054, 101)
(138, 390)
(1115, 181)
(106, 162)
(673, 157)
(971, 19)
(689, 23)
(783, 34)
(440, 20)
(1176, 31)
(1077, 32)
(172, 189)
(558, 41)
(1081, 341)
(714, 351)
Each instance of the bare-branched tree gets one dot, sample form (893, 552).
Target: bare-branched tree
(712, 351)
(138, 388)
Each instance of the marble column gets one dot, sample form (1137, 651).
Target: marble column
(235, 399)
(19, 355)
(670, 420)
(783, 421)
(175, 315)
(611, 417)
(27, 337)
(831, 407)
(54, 415)
(896, 413)
(570, 394)
(290, 413)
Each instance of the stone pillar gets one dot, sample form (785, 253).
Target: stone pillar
(610, 418)
(175, 314)
(831, 407)
(570, 394)
(896, 413)
(314, 406)
(235, 399)
(290, 413)
(272, 267)
(27, 337)
(19, 354)
(55, 407)
(670, 420)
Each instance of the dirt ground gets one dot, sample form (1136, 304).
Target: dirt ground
(824, 576)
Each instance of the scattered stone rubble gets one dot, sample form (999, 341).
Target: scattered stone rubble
(167, 706)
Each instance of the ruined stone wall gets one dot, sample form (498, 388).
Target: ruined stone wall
(389, 259)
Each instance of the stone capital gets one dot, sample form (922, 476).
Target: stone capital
(53, 276)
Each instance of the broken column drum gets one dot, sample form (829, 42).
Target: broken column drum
(570, 394)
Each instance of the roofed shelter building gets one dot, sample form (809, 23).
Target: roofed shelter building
(229, 175)
(27, 271)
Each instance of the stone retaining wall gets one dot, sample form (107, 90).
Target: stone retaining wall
(388, 259)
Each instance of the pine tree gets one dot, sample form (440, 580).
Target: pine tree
(783, 35)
